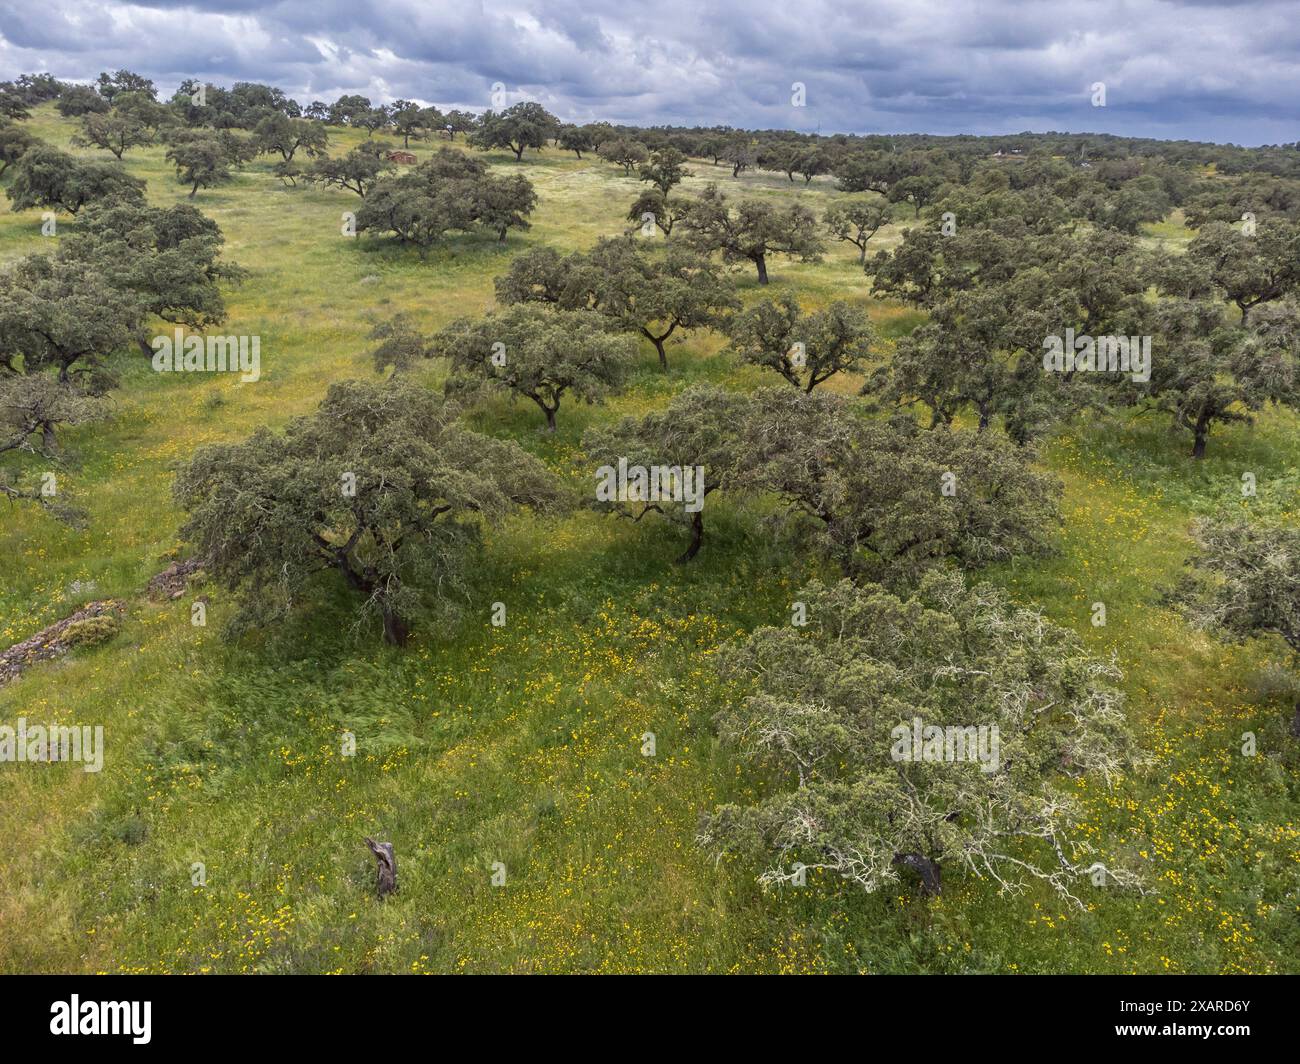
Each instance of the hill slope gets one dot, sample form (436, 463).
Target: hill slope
(521, 745)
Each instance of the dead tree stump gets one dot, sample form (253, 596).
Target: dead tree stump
(383, 852)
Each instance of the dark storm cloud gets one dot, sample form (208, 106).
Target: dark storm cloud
(1220, 71)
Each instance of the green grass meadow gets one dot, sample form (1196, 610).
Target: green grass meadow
(519, 747)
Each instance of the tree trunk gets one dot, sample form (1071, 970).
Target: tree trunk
(146, 348)
(1202, 431)
(658, 341)
(697, 538)
(550, 419)
(928, 870)
(396, 630)
(761, 263)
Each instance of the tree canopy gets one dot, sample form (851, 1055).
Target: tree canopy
(752, 230)
(651, 293)
(888, 500)
(47, 177)
(381, 486)
(700, 429)
(540, 353)
(449, 192)
(829, 711)
(522, 126)
(805, 349)
(167, 258)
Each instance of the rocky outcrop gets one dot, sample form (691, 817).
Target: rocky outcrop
(58, 638)
(172, 581)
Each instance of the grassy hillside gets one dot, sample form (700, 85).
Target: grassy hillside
(521, 744)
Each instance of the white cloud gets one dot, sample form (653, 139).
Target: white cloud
(1195, 70)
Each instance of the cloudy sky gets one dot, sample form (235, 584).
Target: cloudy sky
(1227, 71)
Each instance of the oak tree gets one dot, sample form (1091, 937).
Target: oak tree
(381, 485)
